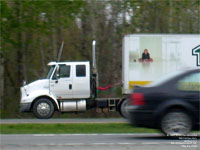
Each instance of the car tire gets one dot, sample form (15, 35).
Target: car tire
(124, 109)
(43, 108)
(176, 123)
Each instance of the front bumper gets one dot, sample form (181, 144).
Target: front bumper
(25, 107)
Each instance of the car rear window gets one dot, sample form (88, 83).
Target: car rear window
(190, 82)
(165, 78)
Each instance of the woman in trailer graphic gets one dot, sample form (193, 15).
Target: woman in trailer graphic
(145, 57)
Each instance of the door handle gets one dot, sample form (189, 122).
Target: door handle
(56, 81)
(70, 86)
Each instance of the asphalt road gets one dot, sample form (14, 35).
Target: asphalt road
(97, 142)
(49, 121)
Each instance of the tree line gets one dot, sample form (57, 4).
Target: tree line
(32, 31)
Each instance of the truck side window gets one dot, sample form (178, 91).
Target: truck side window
(54, 76)
(80, 70)
(64, 71)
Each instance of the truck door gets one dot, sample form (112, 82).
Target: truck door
(81, 81)
(61, 85)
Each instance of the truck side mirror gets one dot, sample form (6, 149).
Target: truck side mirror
(57, 75)
(24, 82)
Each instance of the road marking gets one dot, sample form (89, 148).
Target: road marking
(44, 135)
(73, 144)
(150, 143)
(69, 144)
(97, 134)
(126, 143)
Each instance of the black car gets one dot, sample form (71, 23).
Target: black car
(171, 103)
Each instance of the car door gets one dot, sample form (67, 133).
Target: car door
(61, 85)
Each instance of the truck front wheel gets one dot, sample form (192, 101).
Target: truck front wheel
(43, 108)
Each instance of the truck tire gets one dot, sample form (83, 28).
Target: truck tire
(124, 109)
(43, 108)
(176, 123)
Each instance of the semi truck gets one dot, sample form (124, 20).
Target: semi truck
(72, 86)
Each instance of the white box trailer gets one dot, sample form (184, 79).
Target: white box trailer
(169, 52)
(71, 86)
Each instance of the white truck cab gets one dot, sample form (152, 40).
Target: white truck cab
(65, 88)
(67, 79)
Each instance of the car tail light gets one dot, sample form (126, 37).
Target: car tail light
(137, 99)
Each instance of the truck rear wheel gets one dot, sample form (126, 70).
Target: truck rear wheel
(124, 108)
(43, 108)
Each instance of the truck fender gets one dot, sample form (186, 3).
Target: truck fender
(49, 97)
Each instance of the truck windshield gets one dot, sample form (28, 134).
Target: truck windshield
(50, 72)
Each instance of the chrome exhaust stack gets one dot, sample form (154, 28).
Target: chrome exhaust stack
(94, 83)
(94, 65)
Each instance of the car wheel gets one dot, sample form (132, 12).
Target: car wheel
(43, 108)
(176, 123)
(124, 108)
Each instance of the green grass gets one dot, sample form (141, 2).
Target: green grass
(71, 128)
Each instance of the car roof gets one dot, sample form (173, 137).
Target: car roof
(190, 68)
(173, 75)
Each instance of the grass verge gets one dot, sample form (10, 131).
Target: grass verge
(71, 128)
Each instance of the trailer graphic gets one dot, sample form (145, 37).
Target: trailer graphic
(196, 52)
(169, 52)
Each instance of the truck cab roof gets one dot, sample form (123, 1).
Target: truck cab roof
(67, 62)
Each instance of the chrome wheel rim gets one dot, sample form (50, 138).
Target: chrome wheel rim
(176, 124)
(43, 109)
